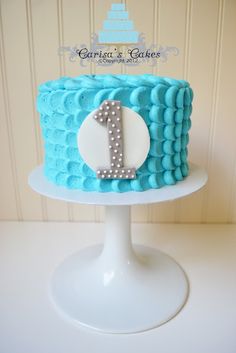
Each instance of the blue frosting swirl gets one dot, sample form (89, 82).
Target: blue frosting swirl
(164, 104)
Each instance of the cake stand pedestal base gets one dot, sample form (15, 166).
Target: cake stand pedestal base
(117, 288)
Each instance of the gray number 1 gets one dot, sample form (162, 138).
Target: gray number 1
(109, 114)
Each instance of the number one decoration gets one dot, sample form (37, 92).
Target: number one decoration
(109, 114)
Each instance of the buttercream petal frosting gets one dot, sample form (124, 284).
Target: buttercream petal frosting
(165, 104)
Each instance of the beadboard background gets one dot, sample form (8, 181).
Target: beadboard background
(204, 31)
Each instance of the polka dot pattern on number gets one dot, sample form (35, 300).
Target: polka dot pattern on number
(109, 115)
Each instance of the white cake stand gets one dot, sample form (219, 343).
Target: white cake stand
(119, 288)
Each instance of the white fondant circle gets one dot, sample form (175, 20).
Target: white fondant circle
(93, 141)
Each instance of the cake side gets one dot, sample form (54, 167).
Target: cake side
(163, 103)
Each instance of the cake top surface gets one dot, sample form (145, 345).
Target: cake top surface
(110, 81)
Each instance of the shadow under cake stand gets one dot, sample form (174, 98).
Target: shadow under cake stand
(117, 287)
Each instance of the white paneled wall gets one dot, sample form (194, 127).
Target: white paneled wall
(204, 31)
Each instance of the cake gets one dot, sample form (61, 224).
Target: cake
(163, 106)
(117, 28)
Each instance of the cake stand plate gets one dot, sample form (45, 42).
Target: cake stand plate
(117, 287)
(196, 179)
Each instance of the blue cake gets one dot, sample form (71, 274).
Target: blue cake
(164, 104)
(117, 28)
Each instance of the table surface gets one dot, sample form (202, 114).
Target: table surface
(29, 252)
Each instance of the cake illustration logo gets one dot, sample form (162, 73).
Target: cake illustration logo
(118, 28)
(118, 42)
